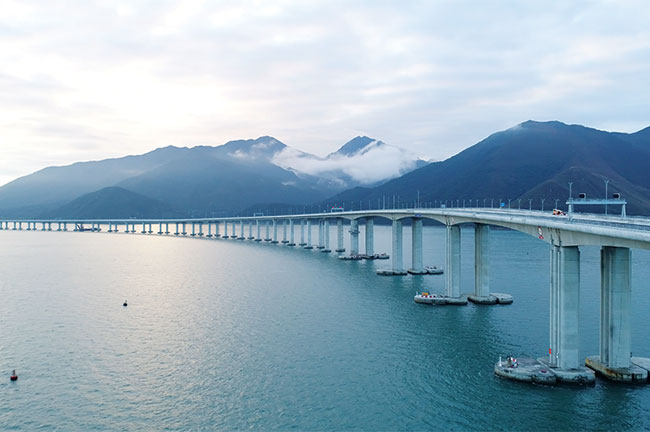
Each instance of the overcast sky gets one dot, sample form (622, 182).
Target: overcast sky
(87, 80)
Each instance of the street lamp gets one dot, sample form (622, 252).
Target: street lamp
(519, 199)
(542, 199)
(606, 181)
(530, 204)
(570, 184)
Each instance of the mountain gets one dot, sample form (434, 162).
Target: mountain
(202, 180)
(113, 203)
(532, 160)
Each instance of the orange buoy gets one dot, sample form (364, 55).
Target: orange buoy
(13, 376)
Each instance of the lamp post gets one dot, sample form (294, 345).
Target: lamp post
(606, 181)
(556, 200)
(519, 199)
(570, 184)
(542, 199)
(530, 204)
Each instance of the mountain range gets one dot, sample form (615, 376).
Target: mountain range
(202, 180)
(530, 161)
(525, 165)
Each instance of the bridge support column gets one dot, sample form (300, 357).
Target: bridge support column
(354, 237)
(292, 241)
(284, 232)
(302, 233)
(615, 361)
(209, 229)
(320, 234)
(416, 247)
(482, 267)
(326, 236)
(250, 230)
(397, 259)
(144, 228)
(225, 229)
(370, 236)
(275, 231)
(241, 231)
(267, 227)
(452, 272)
(176, 233)
(564, 337)
(200, 229)
(339, 235)
(309, 245)
(258, 237)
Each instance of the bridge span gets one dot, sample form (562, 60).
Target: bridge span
(616, 235)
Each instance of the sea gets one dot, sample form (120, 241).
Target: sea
(237, 335)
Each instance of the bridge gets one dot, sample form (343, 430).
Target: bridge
(616, 235)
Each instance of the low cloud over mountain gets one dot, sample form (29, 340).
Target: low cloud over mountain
(363, 161)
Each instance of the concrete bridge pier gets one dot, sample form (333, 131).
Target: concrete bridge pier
(166, 227)
(275, 232)
(302, 233)
(482, 267)
(370, 236)
(564, 337)
(184, 231)
(258, 237)
(309, 245)
(225, 229)
(354, 237)
(209, 235)
(150, 229)
(321, 245)
(200, 229)
(144, 228)
(292, 241)
(326, 236)
(241, 231)
(339, 235)
(267, 238)
(396, 252)
(49, 226)
(59, 227)
(615, 360)
(193, 229)
(452, 272)
(43, 228)
(250, 230)
(284, 232)
(160, 231)
(175, 233)
(417, 267)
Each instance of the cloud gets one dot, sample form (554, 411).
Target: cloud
(374, 164)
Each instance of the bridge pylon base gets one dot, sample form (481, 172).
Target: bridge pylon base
(581, 376)
(631, 374)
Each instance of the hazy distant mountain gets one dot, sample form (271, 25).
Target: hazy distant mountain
(113, 202)
(531, 160)
(200, 181)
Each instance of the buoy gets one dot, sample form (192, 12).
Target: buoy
(13, 377)
(124, 304)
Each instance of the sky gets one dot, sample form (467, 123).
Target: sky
(88, 80)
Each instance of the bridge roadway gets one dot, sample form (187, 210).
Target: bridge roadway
(615, 235)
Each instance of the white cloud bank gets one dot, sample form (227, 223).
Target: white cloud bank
(377, 162)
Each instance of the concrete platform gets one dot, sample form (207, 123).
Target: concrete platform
(483, 300)
(291, 244)
(580, 376)
(285, 241)
(225, 237)
(503, 298)
(392, 272)
(643, 363)
(302, 244)
(633, 374)
(527, 370)
(417, 272)
(326, 250)
(258, 240)
(456, 301)
(340, 250)
(308, 247)
(274, 242)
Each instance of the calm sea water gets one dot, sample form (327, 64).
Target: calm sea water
(231, 335)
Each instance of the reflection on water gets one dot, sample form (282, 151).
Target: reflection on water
(221, 334)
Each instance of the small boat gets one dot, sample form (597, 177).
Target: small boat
(425, 298)
(434, 270)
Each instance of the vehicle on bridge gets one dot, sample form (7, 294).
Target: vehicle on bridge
(337, 210)
(558, 212)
